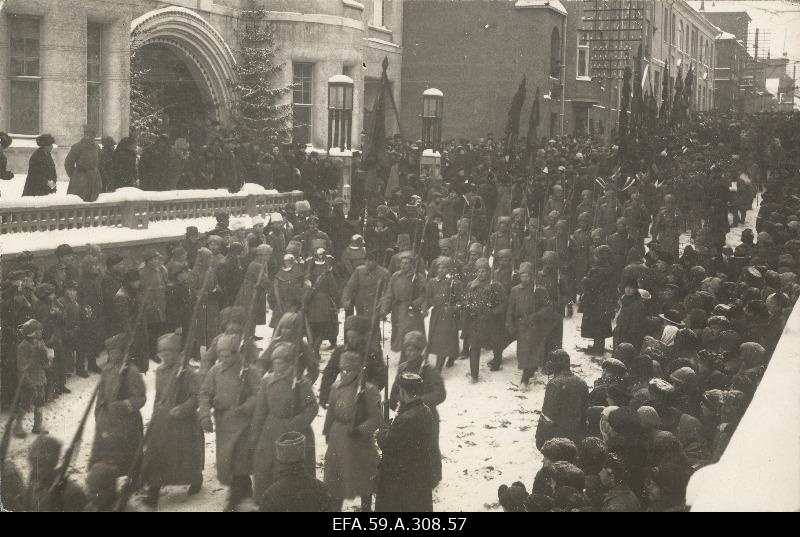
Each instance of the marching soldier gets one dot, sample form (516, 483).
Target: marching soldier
(284, 403)
(322, 298)
(564, 249)
(461, 241)
(351, 459)
(359, 292)
(586, 205)
(229, 394)
(311, 234)
(530, 318)
(444, 294)
(404, 473)
(294, 490)
(667, 227)
(638, 217)
(504, 273)
(117, 412)
(290, 330)
(558, 292)
(41, 497)
(582, 240)
(403, 298)
(253, 291)
(403, 246)
(288, 289)
(620, 243)
(432, 393)
(175, 453)
(356, 332)
(500, 239)
(485, 305)
(207, 323)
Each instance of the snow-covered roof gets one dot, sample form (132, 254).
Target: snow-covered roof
(340, 79)
(724, 36)
(555, 5)
(432, 92)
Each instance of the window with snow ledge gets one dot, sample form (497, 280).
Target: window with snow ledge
(353, 4)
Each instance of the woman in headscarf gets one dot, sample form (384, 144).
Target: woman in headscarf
(284, 403)
(42, 176)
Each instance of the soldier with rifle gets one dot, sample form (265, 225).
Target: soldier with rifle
(175, 451)
(354, 414)
(121, 396)
(403, 299)
(443, 295)
(49, 490)
(432, 393)
(284, 403)
(404, 482)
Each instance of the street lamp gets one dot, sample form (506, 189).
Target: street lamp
(432, 113)
(340, 112)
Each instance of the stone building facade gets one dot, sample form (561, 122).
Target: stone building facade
(477, 52)
(66, 63)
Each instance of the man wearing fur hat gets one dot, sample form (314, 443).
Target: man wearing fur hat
(124, 317)
(404, 481)
(232, 321)
(359, 292)
(175, 451)
(351, 459)
(356, 332)
(321, 305)
(294, 490)
(530, 317)
(462, 240)
(252, 293)
(432, 393)
(42, 176)
(403, 298)
(82, 165)
(5, 142)
(285, 403)
(230, 400)
(443, 295)
(118, 418)
(565, 402)
(153, 295)
(485, 307)
(667, 227)
(32, 365)
(41, 497)
(311, 234)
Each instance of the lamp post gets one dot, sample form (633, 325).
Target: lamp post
(432, 113)
(340, 112)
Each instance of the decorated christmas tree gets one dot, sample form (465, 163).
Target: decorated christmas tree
(260, 112)
(147, 102)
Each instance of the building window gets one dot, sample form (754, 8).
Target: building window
(25, 74)
(377, 13)
(680, 34)
(302, 102)
(583, 55)
(555, 53)
(665, 25)
(672, 31)
(94, 80)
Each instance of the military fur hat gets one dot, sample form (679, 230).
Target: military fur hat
(170, 342)
(290, 448)
(416, 339)
(228, 342)
(475, 248)
(29, 327)
(349, 361)
(560, 449)
(526, 268)
(504, 254)
(117, 342)
(232, 314)
(482, 263)
(357, 324)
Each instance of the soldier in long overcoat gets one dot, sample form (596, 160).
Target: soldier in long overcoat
(253, 291)
(231, 400)
(432, 393)
(208, 319)
(485, 308)
(322, 300)
(403, 298)
(530, 318)
(598, 300)
(351, 459)
(565, 403)
(284, 403)
(175, 451)
(359, 292)
(117, 413)
(127, 317)
(404, 472)
(443, 294)
(82, 165)
(668, 226)
(288, 289)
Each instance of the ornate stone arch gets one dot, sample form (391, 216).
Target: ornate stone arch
(206, 53)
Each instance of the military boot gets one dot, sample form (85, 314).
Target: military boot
(38, 422)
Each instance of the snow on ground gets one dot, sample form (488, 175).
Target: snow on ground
(486, 435)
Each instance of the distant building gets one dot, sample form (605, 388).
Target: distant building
(66, 63)
(477, 52)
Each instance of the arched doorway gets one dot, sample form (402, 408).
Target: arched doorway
(184, 66)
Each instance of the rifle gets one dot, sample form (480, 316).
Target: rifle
(360, 401)
(136, 467)
(61, 473)
(6, 442)
(247, 338)
(469, 234)
(126, 357)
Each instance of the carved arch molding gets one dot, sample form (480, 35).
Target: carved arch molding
(196, 41)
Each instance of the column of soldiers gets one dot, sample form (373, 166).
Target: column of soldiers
(483, 279)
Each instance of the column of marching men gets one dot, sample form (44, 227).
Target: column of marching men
(693, 329)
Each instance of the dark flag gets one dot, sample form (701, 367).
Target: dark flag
(514, 113)
(375, 151)
(533, 124)
(664, 111)
(677, 101)
(688, 86)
